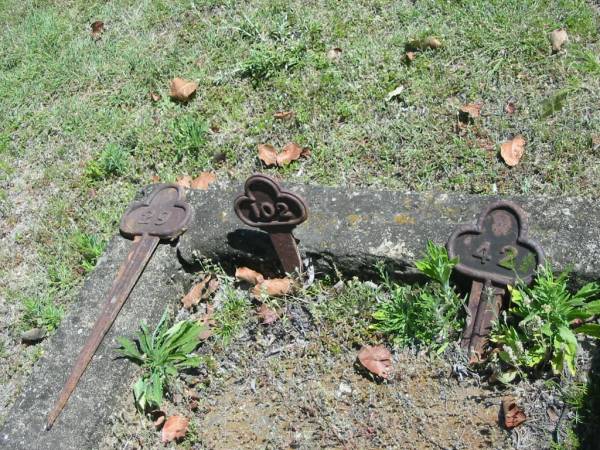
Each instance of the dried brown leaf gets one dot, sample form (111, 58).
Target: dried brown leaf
(510, 108)
(274, 287)
(208, 322)
(158, 418)
(469, 112)
(267, 315)
(284, 115)
(185, 181)
(267, 154)
(248, 275)
(376, 359)
(558, 38)
(513, 413)
(155, 178)
(410, 56)
(432, 43)
(203, 180)
(182, 90)
(291, 152)
(194, 295)
(175, 428)
(334, 54)
(154, 96)
(97, 29)
(512, 150)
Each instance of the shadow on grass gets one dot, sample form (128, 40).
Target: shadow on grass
(588, 428)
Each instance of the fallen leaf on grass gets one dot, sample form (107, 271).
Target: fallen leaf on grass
(558, 38)
(510, 108)
(248, 275)
(469, 112)
(203, 180)
(395, 93)
(97, 29)
(512, 150)
(410, 56)
(376, 359)
(283, 115)
(185, 181)
(513, 413)
(291, 152)
(200, 291)
(155, 178)
(334, 54)
(267, 154)
(154, 96)
(267, 315)
(428, 43)
(275, 287)
(175, 428)
(182, 90)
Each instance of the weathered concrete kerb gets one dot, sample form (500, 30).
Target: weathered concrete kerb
(347, 231)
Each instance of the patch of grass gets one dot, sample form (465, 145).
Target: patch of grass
(90, 248)
(232, 315)
(537, 331)
(41, 312)
(161, 354)
(112, 161)
(189, 136)
(427, 316)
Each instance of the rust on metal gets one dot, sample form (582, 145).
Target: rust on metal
(163, 216)
(494, 253)
(267, 206)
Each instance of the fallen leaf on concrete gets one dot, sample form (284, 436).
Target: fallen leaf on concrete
(267, 154)
(291, 152)
(97, 29)
(154, 96)
(513, 414)
(395, 93)
(469, 112)
(185, 181)
(275, 287)
(194, 295)
(376, 359)
(510, 108)
(334, 54)
(558, 38)
(512, 150)
(203, 180)
(175, 428)
(182, 90)
(248, 275)
(267, 315)
(283, 115)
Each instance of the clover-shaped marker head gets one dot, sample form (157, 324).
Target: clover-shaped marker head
(265, 205)
(164, 214)
(497, 248)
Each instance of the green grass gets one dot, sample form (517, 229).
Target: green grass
(41, 312)
(233, 314)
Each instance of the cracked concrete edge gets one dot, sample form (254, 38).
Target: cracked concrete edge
(84, 420)
(349, 230)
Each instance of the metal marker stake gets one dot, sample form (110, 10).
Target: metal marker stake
(494, 253)
(267, 206)
(164, 216)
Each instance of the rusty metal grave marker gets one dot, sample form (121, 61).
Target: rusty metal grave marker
(163, 216)
(267, 206)
(494, 253)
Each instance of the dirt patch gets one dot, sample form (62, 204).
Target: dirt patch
(296, 385)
